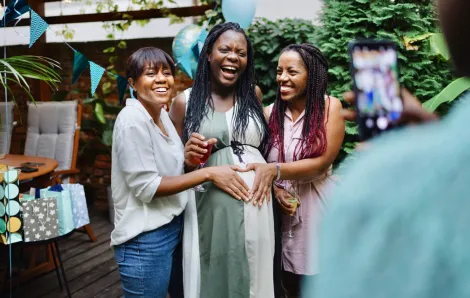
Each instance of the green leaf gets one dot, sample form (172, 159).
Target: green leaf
(126, 16)
(449, 94)
(210, 13)
(439, 46)
(99, 113)
(174, 19)
(88, 101)
(108, 137)
(109, 50)
(351, 128)
(106, 88)
(112, 59)
(122, 44)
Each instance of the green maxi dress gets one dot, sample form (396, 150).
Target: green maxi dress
(228, 244)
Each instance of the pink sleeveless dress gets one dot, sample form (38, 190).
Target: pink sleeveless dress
(300, 232)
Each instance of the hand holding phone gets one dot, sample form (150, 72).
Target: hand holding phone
(413, 112)
(374, 70)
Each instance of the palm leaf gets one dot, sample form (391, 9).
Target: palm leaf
(17, 69)
(449, 94)
(439, 46)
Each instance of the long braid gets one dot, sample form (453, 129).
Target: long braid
(200, 101)
(314, 142)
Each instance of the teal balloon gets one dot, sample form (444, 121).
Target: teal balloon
(183, 49)
(239, 11)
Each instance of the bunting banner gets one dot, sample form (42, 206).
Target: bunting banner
(14, 10)
(122, 86)
(96, 72)
(37, 28)
(199, 44)
(80, 62)
(185, 64)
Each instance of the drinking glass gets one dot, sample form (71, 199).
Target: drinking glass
(202, 162)
(294, 200)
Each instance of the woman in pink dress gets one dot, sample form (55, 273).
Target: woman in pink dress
(307, 131)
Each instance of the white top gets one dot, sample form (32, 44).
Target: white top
(141, 156)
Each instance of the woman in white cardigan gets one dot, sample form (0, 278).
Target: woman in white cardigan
(148, 180)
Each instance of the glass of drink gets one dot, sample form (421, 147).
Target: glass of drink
(295, 203)
(202, 162)
(294, 200)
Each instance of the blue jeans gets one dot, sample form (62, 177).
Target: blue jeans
(146, 262)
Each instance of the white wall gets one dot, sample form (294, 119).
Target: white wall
(271, 9)
(280, 9)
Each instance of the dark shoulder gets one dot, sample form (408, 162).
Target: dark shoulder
(259, 94)
(178, 104)
(178, 111)
(333, 105)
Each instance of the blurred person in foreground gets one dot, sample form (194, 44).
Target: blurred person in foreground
(398, 224)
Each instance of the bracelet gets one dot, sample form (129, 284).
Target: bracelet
(278, 167)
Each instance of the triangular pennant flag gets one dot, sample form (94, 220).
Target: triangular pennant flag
(96, 72)
(80, 62)
(132, 92)
(37, 28)
(122, 86)
(195, 50)
(202, 39)
(185, 64)
(14, 10)
(199, 43)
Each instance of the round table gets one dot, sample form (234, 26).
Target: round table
(14, 160)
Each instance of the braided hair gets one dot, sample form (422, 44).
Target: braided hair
(200, 100)
(314, 140)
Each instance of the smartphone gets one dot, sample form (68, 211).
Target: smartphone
(27, 169)
(374, 70)
(32, 164)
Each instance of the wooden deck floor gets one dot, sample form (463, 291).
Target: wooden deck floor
(90, 267)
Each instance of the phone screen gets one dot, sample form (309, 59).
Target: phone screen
(375, 76)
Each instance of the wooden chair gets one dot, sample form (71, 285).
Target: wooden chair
(6, 126)
(54, 132)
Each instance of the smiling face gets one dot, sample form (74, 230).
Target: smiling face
(229, 58)
(292, 76)
(154, 86)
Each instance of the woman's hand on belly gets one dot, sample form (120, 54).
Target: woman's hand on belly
(265, 175)
(227, 179)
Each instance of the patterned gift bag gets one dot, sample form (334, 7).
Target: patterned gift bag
(64, 207)
(41, 221)
(79, 207)
(11, 219)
